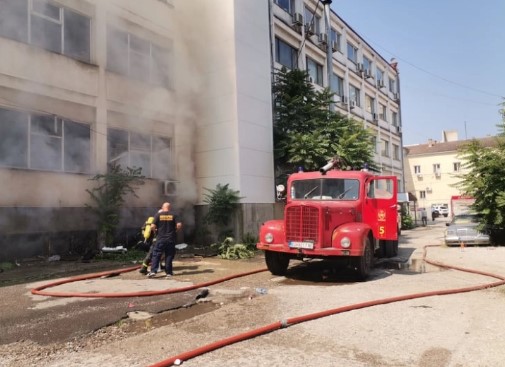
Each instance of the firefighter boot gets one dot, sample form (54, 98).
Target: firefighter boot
(143, 269)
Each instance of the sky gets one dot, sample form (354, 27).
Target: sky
(451, 57)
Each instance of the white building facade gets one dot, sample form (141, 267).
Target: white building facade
(181, 89)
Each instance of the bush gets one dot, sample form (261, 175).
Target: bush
(407, 222)
(230, 250)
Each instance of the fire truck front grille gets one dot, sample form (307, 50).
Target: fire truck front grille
(302, 224)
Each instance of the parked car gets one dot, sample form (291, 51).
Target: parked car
(440, 209)
(463, 229)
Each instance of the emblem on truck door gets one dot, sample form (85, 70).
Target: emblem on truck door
(381, 215)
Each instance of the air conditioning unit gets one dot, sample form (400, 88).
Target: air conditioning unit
(380, 83)
(367, 74)
(309, 29)
(323, 38)
(428, 189)
(169, 188)
(419, 176)
(353, 104)
(399, 129)
(334, 46)
(437, 174)
(359, 68)
(297, 19)
(375, 116)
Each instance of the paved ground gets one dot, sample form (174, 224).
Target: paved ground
(457, 330)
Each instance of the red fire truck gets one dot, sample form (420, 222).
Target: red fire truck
(350, 216)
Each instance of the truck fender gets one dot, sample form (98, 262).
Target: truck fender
(356, 232)
(275, 228)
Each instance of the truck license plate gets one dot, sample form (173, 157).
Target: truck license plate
(297, 244)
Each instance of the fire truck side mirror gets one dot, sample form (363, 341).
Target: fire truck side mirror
(280, 189)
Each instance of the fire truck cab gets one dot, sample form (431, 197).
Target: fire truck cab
(342, 215)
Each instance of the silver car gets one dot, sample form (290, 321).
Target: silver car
(463, 229)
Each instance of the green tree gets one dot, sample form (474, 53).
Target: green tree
(485, 180)
(307, 132)
(223, 202)
(109, 196)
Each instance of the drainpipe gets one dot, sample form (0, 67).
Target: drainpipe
(329, 50)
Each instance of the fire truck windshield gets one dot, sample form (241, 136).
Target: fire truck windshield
(325, 189)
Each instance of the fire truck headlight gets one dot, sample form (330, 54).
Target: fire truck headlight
(269, 238)
(345, 242)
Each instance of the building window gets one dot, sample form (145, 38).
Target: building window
(456, 166)
(312, 20)
(392, 85)
(354, 95)
(436, 168)
(396, 152)
(137, 58)
(367, 65)
(385, 148)
(379, 76)
(383, 112)
(422, 194)
(287, 5)
(369, 104)
(315, 71)
(336, 38)
(337, 85)
(136, 150)
(352, 52)
(394, 118)
(46, 25)
(417, 170)
(285, 54)
(43, 142)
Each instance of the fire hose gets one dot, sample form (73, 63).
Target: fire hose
(179, 358)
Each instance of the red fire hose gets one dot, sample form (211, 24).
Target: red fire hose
(267, 328)
(178, 359)
(39, 290)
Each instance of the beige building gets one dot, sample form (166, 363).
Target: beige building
(181, 89)
(432, 169)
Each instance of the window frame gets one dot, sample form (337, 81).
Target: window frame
(280, 43)
(125, 69)
(35, 131)
(354, 94)
(318, 69)
(131, 152)
(352, 56)
(46, 25)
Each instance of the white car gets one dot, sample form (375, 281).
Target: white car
(440, 209)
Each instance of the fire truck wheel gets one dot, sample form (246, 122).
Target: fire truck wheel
(277, 262)
(364, 263)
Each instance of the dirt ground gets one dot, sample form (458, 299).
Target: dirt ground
(455, 331)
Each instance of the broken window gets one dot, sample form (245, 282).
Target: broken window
(46, 25)
(137, 150)
(44, 142)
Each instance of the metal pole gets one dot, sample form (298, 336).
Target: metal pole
(329, 50)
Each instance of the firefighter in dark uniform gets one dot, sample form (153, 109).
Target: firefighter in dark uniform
(166, 223)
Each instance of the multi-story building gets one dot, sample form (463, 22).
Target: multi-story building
(366, 86)
(432, 169)
(180, 89)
